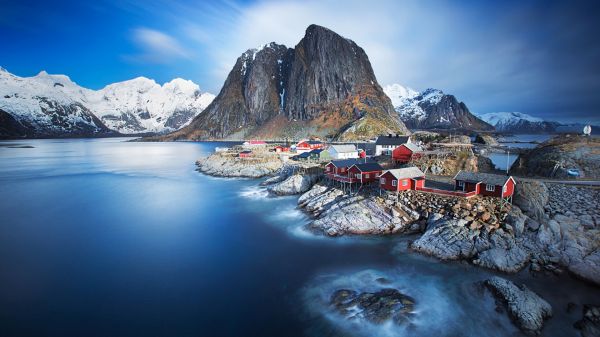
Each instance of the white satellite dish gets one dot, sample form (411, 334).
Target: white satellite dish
(587, 130)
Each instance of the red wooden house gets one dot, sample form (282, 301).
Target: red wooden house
(406, 152)
(365, 173)
(255, 143)
(280, 148)
(339, 167)
(309, 145)
(402, 179)
(245, 154)
(487, 184)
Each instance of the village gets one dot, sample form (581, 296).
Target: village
(438, 188)
(393, 163)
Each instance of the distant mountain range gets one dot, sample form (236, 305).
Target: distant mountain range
(54, 106)
(433, 109)
(324, 86)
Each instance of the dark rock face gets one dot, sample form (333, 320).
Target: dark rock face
(11, 128)
(433, 109)
(323, 87)
(376, 307)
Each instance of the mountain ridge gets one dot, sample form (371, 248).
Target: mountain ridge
(47, 105)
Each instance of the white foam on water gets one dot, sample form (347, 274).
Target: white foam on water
(254, 192)
(439, 309)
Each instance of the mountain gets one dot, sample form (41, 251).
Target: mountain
(323, 87)
(432, 109)
(518, 122)
(54, 106)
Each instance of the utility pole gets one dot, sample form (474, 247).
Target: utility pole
(507, 159)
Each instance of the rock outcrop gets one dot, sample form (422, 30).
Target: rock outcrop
(525, 307)
(556, 156)
(229, 165)
(325, 87)
(294, 184)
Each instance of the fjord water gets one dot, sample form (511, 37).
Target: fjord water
(112, 238)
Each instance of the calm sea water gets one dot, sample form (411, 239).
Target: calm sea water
(114, 238)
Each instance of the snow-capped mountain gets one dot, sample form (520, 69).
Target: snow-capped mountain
(433, 109)
(52, 105)
(518, 122)
(45, 105)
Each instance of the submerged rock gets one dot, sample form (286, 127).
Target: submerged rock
(589, 324)
(525, 307)
(376, 307)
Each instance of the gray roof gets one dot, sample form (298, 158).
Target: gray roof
(391, 140)
(368, 167)
(345, 162)
(343, 148)
(477, 177)
(406, 172)
(413, 147)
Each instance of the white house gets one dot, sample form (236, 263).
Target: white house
(384, 145)
(343, 151)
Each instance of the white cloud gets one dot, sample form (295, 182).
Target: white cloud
(157, 47)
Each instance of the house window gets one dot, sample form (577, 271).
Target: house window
(328, 169)
(382, 181)
(404, 182)
(504, 189)
(394, 182)
(490, 188)
(366, 176)
(461, 184)
(358, 176)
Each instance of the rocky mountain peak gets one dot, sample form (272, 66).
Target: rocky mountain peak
(323, 87)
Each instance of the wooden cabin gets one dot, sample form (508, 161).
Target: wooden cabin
(402, 179)
(384, 145)
(486, 184)
(340, 167)
(280, 149)
(343, 151)
(406, 152)
(309, 145)
(245, 154)
(365, 172)
(255, 143)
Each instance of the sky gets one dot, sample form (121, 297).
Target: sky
(536, 57)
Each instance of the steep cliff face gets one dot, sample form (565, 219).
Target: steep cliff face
(323, 87)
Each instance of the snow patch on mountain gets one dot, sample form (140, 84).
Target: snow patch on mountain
(399, 93)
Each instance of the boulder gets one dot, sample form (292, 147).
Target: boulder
(355, 215)
(525, 307)
(446, 239)
(294, 184)
(531, 197)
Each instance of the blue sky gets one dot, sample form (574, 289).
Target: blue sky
(537, 57)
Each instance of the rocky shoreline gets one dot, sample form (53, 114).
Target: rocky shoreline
(478, 230)
(548, 229)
